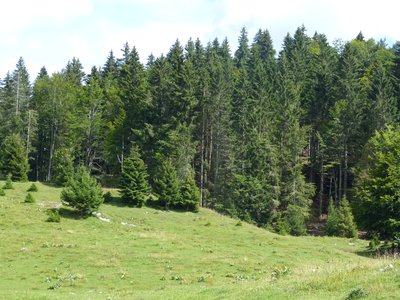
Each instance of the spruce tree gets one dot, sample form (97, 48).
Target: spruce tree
(14, 159)
(166, 185)
(340, 220)
(190, 194)
(134, 186)
(82, 192)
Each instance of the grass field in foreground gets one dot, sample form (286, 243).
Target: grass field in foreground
(152, 254)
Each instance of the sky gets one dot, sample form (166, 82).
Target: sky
(51, 32)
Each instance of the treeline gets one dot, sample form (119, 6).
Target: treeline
(267, 137)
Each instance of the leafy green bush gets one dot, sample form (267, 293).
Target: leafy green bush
(340, 220)
(2, 193)
(8, 185)
(33, 188)
(82, 192)
(53, 216)
(29, 198)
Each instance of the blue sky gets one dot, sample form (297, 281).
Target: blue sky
(51, 32)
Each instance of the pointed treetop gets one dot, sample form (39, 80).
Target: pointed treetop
(360, 37)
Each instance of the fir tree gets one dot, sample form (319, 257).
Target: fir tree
(14, 158)
(134, 186)
(166, 185)
(82, 192)
(190, 194)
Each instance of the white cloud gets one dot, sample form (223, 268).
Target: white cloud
(48, 32)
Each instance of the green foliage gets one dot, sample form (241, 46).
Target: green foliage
(53, 216)
(134, 186)
(33, 188)
(357, 293)
(190, 195)
(340, 220)
(8, 185)
(63, 167)
(29, 198)
(252, 200)
(296, 220)
(14, 159)
(2, 193)
(82, 192)
(166, 185)
(378, 185)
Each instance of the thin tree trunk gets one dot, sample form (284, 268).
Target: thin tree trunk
(28, 134)
(52, 146)
(202, 160)
(340, 181)
(345, 171)
(321, 189)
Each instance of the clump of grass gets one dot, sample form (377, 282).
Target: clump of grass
(2, 193)
(53, 216)
(279, 271)
(29, 198)
(239, 223)
(8, 185)
(33, 188)
(357, 293)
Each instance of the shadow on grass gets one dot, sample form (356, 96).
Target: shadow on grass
(366, 253)
(69, 213)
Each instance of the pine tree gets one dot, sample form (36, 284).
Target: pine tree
(134, 186)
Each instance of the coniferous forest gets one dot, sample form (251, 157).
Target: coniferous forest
(272, 138)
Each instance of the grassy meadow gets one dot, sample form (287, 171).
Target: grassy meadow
(143, 253)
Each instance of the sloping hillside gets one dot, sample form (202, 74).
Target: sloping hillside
(131, 253)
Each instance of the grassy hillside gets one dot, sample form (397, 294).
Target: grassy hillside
(150, 254)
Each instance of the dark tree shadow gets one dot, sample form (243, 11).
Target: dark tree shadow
(70, 213)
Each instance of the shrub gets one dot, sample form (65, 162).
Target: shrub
(29, 198)
(82, 192)
(357, 293)
(2, 193)
(33, 188)
(53, 216)
(8, 185)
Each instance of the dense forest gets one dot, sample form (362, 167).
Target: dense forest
(263, 136)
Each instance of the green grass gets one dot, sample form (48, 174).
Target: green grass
(172, 255)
